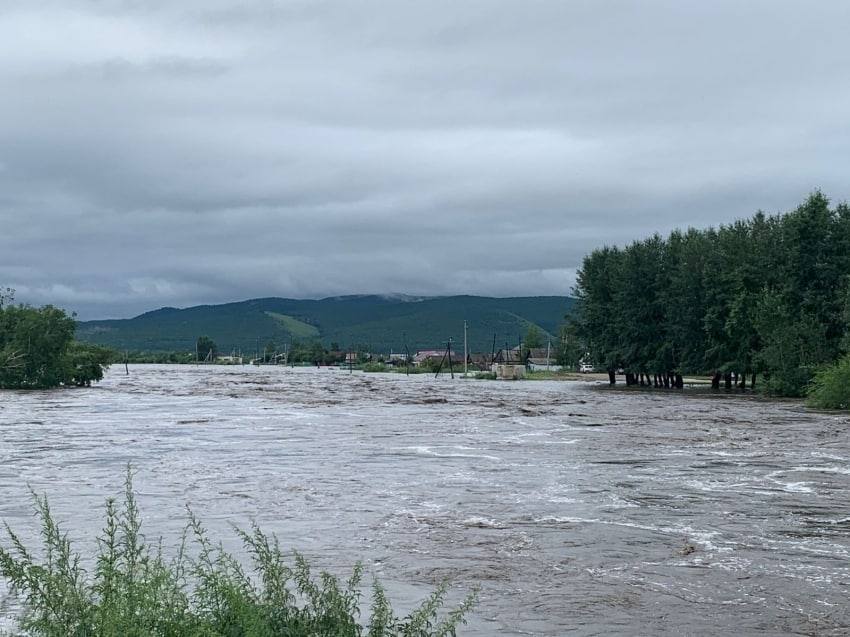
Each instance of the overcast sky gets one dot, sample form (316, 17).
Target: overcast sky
(162, 152)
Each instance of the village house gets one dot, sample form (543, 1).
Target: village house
(542, 359)
(424, 355)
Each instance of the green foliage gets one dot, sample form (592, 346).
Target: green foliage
(375, 366)
(154, 357)
(533, 337)
(313, 352)
(33, 345)
(37, 350)
(767, 295)
(296, 328)
(205, 348)
(570, 349)
(202, 591)
(383, 323)
(830, 388)
(86, 363)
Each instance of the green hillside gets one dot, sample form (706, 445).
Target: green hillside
(382, 323)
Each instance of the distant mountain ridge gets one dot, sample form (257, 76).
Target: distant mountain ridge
(381, 322)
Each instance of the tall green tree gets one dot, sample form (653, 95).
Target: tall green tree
(206, 348)
(37, 350)
(533, 337)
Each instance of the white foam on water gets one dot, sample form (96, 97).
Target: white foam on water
(423, 450)
(482, 523)
(798, 487)
(831, 469)
(701, 537)
(790, 487)
(715, 485)
(828, 456)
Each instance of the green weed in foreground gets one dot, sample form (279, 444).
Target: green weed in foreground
(830, 388)
(202, 591)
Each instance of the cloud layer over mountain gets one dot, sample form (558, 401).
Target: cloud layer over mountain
(171, 153)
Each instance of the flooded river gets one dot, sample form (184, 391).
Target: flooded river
(576, 510)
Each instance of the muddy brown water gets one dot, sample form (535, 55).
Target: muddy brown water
(575, 510)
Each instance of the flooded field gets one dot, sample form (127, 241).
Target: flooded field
(576, 510)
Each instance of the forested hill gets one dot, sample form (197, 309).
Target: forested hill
(379, 322)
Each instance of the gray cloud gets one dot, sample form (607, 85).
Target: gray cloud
(159, 153)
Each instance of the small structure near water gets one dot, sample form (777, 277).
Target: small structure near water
(508, 364)
(508, 371)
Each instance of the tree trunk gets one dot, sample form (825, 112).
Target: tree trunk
(612, 377)
(715, 380)
(667, 381)
(727, 380)
(680, 382)
(753, 381)
(743, 378)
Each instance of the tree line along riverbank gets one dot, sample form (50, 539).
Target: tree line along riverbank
(762, 302)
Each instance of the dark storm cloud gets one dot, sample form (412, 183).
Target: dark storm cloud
(161, 153)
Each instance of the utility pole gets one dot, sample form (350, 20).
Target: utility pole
(548, 350)
(465, 352)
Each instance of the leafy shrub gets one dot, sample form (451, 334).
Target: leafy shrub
(830, 388)
(85, 363)
(136, 591)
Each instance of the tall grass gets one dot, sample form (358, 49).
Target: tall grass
(134, 590)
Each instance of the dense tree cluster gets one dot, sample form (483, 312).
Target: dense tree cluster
(38, 351)
(205, 349)
(766, 297)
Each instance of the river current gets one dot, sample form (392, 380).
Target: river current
(574, 509)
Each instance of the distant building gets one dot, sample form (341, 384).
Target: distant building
(479, 362)
(397, 360)
(425, 355)
(542, 359)
(509, 357)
